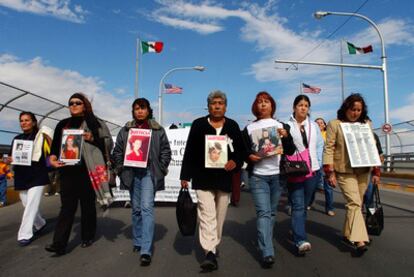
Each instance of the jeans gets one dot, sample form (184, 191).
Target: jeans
(328, 193)
(369, 196)
(142, 200)
(3, 190)
(300, 195)
(265, 191)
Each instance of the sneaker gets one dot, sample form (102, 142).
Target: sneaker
(57, 193)
(24, 242)
(304, 247)
(46, 194)
(210, 262)
(2, 204)
(127, 204)
(145, 260)
(268, 261)
(331, 213)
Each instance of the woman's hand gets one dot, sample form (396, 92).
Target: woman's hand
(230, 165)
(254, 158)
(184, 184)
(332, 179)
(282, 132)
(88, 136)
(54, 162)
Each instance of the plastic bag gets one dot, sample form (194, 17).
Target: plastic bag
(186, 212)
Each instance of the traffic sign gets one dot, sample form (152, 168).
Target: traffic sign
(387, 128)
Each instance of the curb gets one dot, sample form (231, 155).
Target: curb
(398, 187)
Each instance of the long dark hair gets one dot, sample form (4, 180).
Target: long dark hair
(349, 103)
(33, 118)
(90, 118)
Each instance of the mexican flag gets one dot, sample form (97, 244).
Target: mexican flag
(151, 46)
(358, 50)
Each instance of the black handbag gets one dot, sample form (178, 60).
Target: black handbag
(374, 219)
(186, 212)
(297, 168)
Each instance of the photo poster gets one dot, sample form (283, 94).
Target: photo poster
(360, 144)
(215, 151)
(71, 146)
(137, 150)
(22, 152)
(266, 141)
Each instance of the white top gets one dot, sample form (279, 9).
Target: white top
(270, 165)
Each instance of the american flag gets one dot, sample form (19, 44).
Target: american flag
(309, 89)
(172, 89)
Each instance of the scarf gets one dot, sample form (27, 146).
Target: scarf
(95, 164)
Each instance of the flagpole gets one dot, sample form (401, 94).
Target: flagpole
(136, 68)
(342, 72)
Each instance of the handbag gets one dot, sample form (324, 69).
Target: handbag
(186, 212)
(374, 219)
(297, 167)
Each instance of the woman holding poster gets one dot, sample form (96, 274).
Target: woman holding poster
(264, 171)
(352, 181)
(85, 181)
(30, 180)
(141, 157)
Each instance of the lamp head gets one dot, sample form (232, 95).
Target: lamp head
(199, 68)
(320, 14)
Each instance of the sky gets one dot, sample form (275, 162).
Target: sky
(57, 47)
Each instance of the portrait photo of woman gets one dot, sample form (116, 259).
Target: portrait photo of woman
(70, 148)
(136, 145)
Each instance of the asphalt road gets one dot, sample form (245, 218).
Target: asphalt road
(390, 254)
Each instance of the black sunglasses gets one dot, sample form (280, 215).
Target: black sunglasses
(75, 103)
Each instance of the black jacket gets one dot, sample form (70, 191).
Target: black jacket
(193, 168)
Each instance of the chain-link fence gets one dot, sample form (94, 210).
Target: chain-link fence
(14, 100)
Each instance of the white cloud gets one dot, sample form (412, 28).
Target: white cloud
(405, 112)
(201, 28)
(57, 8)
(57, 85)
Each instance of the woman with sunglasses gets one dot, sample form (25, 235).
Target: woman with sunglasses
(86, 181)
(30, 180)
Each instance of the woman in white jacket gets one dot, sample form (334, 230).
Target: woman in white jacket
(309, 142)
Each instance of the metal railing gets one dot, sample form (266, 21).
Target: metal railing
(401, 163)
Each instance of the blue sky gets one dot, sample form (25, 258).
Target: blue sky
(54, 48)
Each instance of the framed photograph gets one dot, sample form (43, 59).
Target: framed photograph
(22, 152)
(137, 150)
(215, 151)
(360, 144)
(71, 146)
(266, 141)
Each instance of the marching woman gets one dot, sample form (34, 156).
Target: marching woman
(86, 181)
(309, 144)
(143, 183)
(352, 181)
(30, 180)
(264, 170)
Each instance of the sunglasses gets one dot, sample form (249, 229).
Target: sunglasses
(75, 103)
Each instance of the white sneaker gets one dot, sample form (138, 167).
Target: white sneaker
(304, 247)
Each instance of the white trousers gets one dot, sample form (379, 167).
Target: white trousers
(31, 215)
(212, 210)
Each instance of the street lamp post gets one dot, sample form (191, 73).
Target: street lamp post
(320, 15)
(160, 111)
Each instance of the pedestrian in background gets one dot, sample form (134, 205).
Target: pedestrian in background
(5, 174)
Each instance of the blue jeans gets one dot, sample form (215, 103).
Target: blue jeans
(369, 195)
(142, 200)
(300, 195)
(3, 190)
(328, 193)
(265, 191)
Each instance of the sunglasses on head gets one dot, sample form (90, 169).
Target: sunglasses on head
(75, 103)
